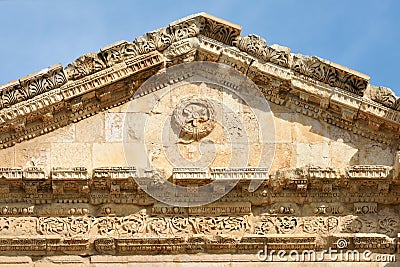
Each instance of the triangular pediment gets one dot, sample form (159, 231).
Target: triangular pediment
(57, 96)
(322, 114)
(88, 150)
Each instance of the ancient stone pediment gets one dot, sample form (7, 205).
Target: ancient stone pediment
(267, 148)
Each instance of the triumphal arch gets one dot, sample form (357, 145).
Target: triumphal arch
(195, 145)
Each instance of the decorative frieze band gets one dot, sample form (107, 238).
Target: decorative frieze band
(364, 184)
(140, 233)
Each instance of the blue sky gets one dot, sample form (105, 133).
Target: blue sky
(362, 35)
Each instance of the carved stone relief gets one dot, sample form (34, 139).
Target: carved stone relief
(92, 210)
(194, 118)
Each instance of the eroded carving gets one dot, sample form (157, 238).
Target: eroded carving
(297, 203)
(321, 71)
(69, 226)
(84, 66)
(119, 52)
(257, 46)
(194, 118)
(382, 95)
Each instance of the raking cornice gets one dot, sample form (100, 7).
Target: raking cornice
(57, 96)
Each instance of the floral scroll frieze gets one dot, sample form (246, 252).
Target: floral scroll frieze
(68, 226)
(384, 222)
(293, 225)
(142, 233)
(140, 224)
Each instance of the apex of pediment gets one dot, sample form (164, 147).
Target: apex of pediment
(29, 106)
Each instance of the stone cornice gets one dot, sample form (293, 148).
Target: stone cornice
(57, 96)
(360, 183)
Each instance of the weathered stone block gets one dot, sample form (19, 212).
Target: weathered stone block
(71, 155)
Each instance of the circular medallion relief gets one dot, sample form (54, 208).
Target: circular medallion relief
(194, 118)
(197, 120)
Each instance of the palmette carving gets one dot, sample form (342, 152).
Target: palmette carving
(252, 44)
(185, 29)
(219, 31)
(321, 71)
(161, 38)
(142, 45)
(382, 95)
(118, 53)
(257, 46)
(201, 25)
(119, 56)
(31, 86)
(324, 202)
(12, 94)
(52, 78)
(84, 66)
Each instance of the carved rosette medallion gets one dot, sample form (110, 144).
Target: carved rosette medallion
(194, 118)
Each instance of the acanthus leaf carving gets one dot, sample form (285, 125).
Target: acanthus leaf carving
(320, 225)
(185, 29)
(278, 55)
(142, 45)
(323, 71)
(382, 95)
(44, 81)
(142, 224)
(84, 66)
(161, 38)
(181, 51)
(257, 46)
(218, 30)
(118, 52)
(11, 94)
(68, 227)
(32, 85)
(252, 44)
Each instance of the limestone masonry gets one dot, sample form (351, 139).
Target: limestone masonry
(70, 195)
